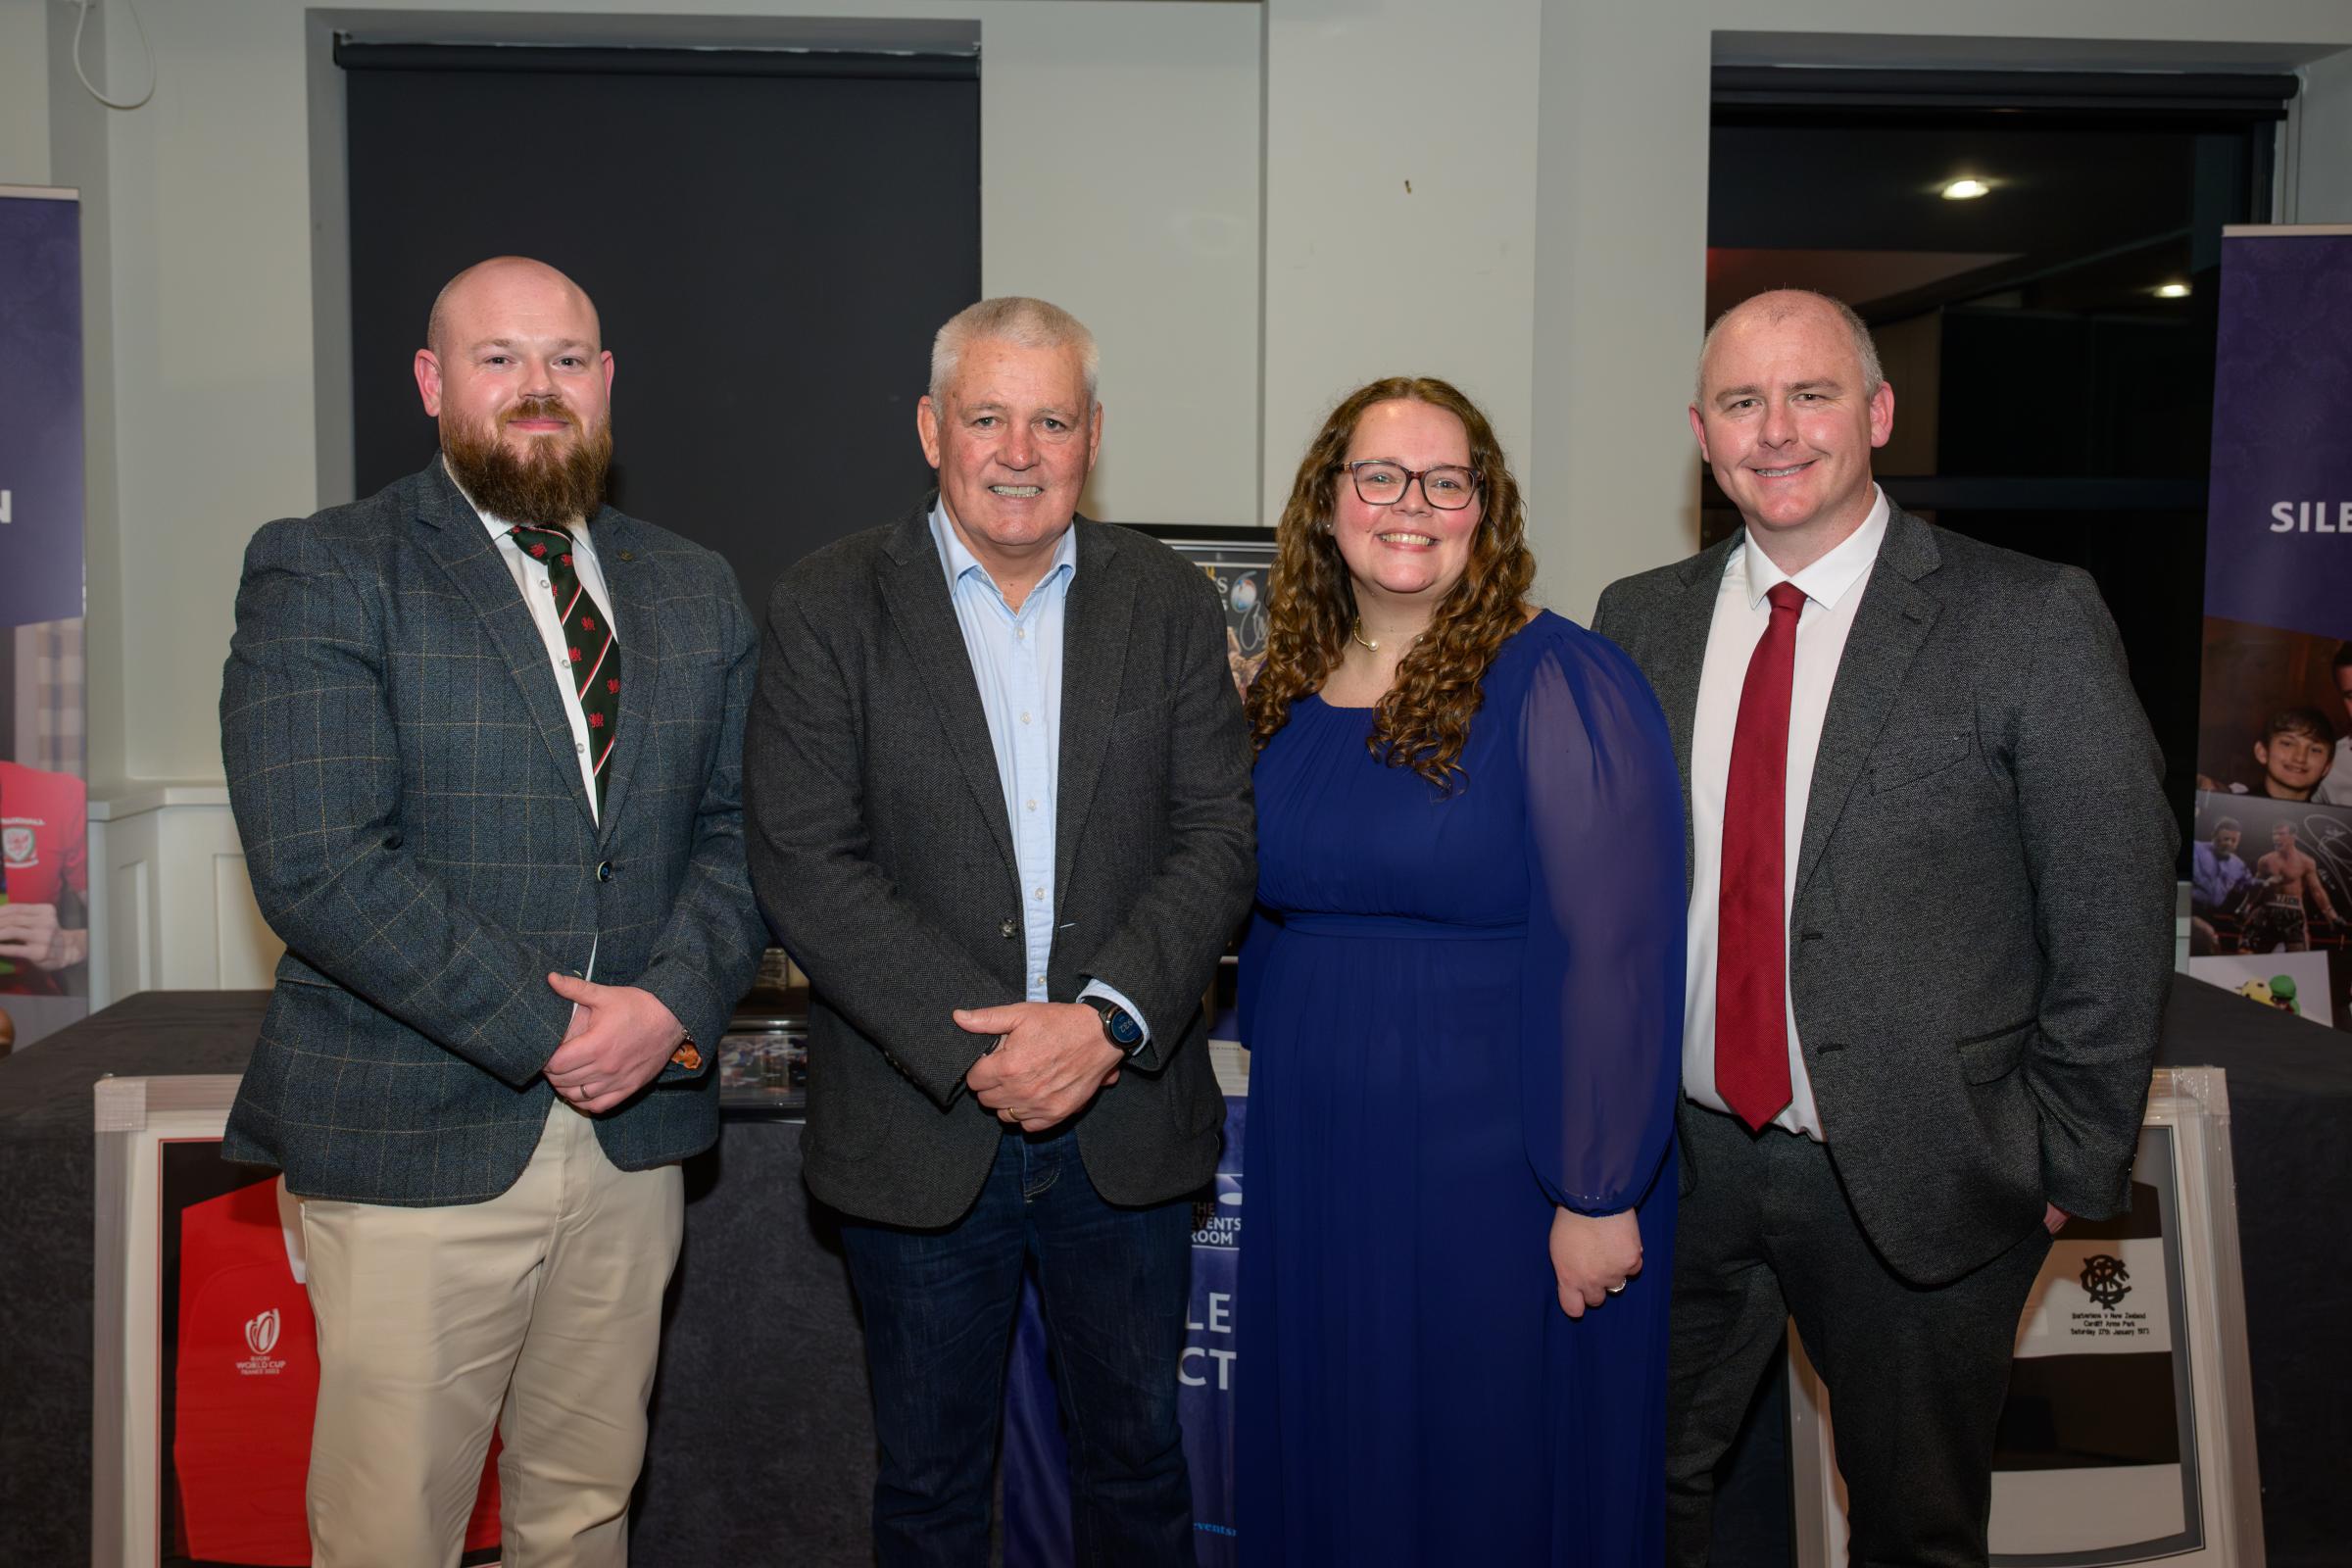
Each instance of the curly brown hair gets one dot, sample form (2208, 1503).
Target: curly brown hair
(1425, 718)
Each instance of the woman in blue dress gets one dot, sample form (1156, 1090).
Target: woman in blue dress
(1462, 994)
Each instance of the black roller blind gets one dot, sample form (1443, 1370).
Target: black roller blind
(771, 239)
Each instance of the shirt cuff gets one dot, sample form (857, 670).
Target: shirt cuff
(1109, 993)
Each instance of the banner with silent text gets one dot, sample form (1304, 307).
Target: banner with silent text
(44, 868)
(1037, 1470)
(2271, 897)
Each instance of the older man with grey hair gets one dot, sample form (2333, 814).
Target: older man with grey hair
(999, 789)
(1931, 930)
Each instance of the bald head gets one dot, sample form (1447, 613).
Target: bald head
(1779, 306)
(495, 290)
(514, 371)
(1791, 405)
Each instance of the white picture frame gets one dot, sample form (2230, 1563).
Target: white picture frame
(2207, 1512)
(134, 1119)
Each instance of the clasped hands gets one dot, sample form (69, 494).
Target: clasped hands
(618, 1040)
(30, 934)
(1050, 1060)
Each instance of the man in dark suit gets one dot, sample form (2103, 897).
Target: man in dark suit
(483, 738)
(998, 793)
(1930, 933)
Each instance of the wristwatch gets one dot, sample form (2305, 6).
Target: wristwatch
(1118, 1025)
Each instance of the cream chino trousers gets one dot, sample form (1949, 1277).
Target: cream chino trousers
(537, 1313)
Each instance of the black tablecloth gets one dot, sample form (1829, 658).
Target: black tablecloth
(762, 1446)
(2291, 1136)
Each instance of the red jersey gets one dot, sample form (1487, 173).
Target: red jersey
(246, 1390)
(44, 848)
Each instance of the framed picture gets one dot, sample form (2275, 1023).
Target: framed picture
(764, 1056)
(1240, 563)
(2129, 1433)
(206, 1374)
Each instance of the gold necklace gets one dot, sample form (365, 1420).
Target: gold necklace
(1355, 630)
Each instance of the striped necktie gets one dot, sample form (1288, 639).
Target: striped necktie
(589, 645)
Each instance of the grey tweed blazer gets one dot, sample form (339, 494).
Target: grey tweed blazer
(406, 784)
(884, 862)
(1981, 936)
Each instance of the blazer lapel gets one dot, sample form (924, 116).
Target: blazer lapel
(914, 589)
(453, 536)
(628, 579)
(1892, 621)
(1094, 663)
(1678, 654)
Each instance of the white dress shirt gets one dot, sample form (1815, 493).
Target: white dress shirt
(530, 576)
(1016, 662)
(1833, 587)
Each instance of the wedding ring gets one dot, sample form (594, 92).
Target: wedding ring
(1614, 1289)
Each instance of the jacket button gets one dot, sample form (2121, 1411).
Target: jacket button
(604, 871)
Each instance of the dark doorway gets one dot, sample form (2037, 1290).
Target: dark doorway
(771, 237)
(2050, 337)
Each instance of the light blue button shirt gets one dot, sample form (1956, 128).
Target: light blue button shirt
(1016, 662)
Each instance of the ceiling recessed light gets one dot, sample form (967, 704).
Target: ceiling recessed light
(2172, 291)
(1964, 190)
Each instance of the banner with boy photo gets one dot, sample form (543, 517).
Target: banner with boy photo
(2270, 899)
(44, 864)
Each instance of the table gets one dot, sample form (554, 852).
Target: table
(2290, 1106)
(761, 1444)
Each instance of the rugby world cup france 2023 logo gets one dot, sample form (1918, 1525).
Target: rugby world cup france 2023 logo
(261, 1337)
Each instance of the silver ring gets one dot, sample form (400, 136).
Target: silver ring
(1614, 1289)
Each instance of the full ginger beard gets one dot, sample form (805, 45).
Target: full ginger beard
(561, 484)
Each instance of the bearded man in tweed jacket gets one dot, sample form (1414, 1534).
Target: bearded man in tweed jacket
(483, 738)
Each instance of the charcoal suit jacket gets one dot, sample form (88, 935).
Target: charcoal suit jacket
(1981, 940)
(883, 860)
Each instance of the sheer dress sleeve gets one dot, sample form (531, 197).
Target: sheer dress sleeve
(1602, 1005)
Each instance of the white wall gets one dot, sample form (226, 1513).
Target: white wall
(1400, 219)
(24, 93)
(2323, 144)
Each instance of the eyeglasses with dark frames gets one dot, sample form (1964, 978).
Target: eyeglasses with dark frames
(1380, 482)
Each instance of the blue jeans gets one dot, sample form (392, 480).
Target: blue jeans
(938, 1309)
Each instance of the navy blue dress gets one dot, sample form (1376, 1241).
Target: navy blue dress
(1461, 1011)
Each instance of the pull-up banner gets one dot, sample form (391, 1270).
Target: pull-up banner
(2270, 898)
(1037, 1481)
(44, 866)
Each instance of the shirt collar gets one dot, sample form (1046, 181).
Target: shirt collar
(581, 545)
(960, 563)
(1828, 580)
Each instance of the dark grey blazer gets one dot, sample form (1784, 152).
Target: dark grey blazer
(1981, 936)
(410, 797)
(883, 860)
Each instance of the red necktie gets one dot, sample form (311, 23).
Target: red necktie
(1751, 934)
